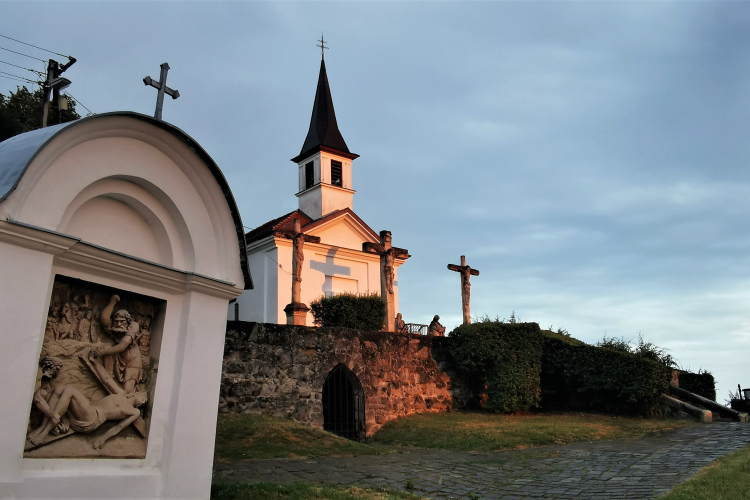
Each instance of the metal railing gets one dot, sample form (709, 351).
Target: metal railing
(416, 329)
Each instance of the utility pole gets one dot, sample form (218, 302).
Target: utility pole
(54, 84)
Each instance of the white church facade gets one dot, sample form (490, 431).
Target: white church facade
(339, 262)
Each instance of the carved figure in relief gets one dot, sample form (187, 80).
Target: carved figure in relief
(125, 355)
(65, 323)
(436, 328)
(400, 324)
(50, 331)
(49, 367)
(96, 329)
(84, 326)
(69, 409)
(145, 342)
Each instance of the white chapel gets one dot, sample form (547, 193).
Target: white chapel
(339, 262)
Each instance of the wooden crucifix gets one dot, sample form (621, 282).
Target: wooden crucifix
(466, 272)
(296, 311)
(161, 86)
(388, 254)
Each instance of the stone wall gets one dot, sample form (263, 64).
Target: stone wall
(280, 370)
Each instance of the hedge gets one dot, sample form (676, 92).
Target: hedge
(579, 376)
(502, 361)
(349, 310)
(701, 383)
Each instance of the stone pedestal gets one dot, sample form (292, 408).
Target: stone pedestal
(296, 313)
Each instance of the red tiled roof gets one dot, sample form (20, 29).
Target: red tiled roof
(286, 223)
(283, 223)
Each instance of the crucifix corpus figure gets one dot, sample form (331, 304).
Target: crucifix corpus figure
(296, 311)
(161, 86)
(388, 254)
(466, 272)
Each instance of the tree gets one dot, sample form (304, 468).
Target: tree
(21, 111)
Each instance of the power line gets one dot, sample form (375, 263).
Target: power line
(16, 76)
(40, 48)
(26, 55)
(21, 67)
(79, 102)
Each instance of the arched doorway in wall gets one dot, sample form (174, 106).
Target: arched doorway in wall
(344, 404)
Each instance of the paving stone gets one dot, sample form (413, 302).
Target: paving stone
(624, 469)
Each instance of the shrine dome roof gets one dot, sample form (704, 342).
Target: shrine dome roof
(18, 152)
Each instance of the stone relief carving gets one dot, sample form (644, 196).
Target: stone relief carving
(95, 381)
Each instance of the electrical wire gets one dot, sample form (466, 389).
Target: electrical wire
(40, 48)
(21, 67)
(16, 76)
(280, 267)
(79, 102)
(15, 79)
(22, 54)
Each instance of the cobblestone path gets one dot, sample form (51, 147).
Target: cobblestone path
(631, 468)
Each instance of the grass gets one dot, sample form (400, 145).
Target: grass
(727, 478)
(301, 491)
(252, 437)
(467, 431)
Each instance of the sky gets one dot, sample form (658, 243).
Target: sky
(589, 158)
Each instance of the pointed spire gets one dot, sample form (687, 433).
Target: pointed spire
(324, 131)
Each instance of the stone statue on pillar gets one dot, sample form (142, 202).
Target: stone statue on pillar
(388, 255)
(466, 272)
(296, 311)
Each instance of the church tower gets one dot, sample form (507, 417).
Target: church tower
(325, 162)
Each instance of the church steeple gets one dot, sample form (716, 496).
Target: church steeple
(325, 162)
(324, 130)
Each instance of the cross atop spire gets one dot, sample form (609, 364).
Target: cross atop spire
(322, 46)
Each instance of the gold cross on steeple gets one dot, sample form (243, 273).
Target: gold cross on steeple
(322, 46)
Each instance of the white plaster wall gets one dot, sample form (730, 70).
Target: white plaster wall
(118, 181)
(311, 202)
(109, 223)
(261, 303)
(324, 198)
(335, 198)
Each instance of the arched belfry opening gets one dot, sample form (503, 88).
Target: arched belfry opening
(344, 404)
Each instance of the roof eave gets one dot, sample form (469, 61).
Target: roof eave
(325, 149)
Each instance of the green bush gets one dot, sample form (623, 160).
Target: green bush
(579, 376)
(701, 383)
(349, 310)
(502, 361)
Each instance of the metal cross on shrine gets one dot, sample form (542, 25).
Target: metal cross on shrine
(387, 254)
(296, 311)
(466, 272)
(161, 85)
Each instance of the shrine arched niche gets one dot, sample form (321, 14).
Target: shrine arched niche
(344, 404)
